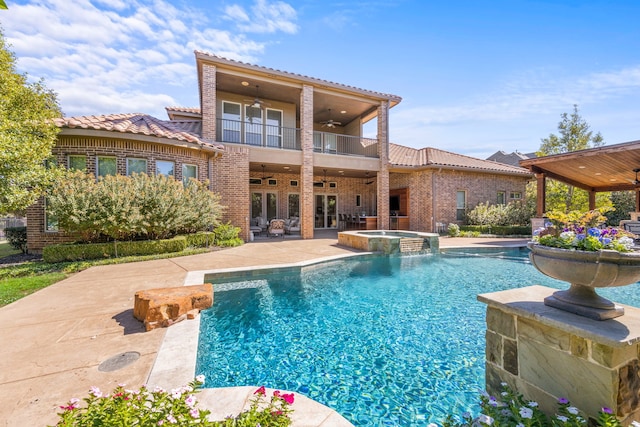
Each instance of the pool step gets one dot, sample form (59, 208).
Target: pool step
(408, 244)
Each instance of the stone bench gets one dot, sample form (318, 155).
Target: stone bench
(162, 307)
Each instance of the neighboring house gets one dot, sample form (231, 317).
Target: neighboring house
(512, 159)
(276, 144)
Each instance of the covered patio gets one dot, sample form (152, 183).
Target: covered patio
(603, 169)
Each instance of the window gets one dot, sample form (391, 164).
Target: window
(358, 200)
(318, 184)
(333, 184)
(77, 162)
(515, 195)
(501, 198)
(231, 121)
(136, 166)
(189, 171)
(272, 182)
(294, 205)
(164, 167)
(50, 221)
(255, 181)
(293, 183)
(106, 166)
(461, 203)
(252, 125)
(274, 128)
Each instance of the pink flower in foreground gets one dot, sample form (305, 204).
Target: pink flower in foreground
(276, 393)
(288, 398)
(95, 391)
(261, 391)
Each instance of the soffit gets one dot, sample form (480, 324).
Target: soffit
(608, 168)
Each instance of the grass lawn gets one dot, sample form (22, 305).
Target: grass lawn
(16, 288)
(17, 281)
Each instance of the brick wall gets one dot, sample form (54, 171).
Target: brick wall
(432, 193)
(121, 149)
(230, 179)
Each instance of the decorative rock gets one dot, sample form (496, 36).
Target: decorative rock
(162, 307)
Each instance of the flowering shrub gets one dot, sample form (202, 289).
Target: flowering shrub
(513, 410)
(580, 231)
(159, 407)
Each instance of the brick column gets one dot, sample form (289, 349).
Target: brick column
(208, 102)
(383, 174)
(306, 171)
(230, 179)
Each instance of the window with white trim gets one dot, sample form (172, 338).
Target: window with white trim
(165, 167)
(189, 171)
(77, 162)
(461, 205)
(515, 195)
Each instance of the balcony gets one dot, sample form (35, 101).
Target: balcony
(261, 135)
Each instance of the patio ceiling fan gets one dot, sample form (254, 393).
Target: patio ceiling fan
(366, 179)
(257, 102)
(330, 123)
(264, 174)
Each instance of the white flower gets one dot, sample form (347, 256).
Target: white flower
(526, 413)
(519, 425)
(95, 391)
(562, 418)
(172, 419)
(194, 413)
(573, 410)
(635, 424)
(200, 378)
(190, 401)
(504, 393)
(485, 419)
(176, 393)
(533, 404)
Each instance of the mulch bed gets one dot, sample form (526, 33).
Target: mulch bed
(18, 259)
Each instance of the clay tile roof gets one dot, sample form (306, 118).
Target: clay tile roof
(194, 110)
(142, 124)
(218, 58)
(433, 157)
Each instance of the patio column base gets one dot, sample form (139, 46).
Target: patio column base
(545, 354)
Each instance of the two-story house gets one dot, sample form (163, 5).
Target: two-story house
(275, 144)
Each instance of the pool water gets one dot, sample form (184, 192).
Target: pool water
(385, 341)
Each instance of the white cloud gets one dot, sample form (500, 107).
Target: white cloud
(114, 56)
(264, 17)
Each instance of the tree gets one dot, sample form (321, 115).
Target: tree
(575, 134)
(27, 135)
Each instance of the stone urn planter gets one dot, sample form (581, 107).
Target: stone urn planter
(585, 271)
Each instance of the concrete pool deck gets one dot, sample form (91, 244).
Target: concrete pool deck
(53, 341)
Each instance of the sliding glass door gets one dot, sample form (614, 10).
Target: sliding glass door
(325, 209)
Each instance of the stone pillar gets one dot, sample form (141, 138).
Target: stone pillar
(208, 102)
(383, 173)
(306, 170)
(541, 187)
(545, 354)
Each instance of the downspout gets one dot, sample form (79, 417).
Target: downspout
(434, 204)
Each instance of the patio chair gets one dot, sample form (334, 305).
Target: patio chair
(276, 227)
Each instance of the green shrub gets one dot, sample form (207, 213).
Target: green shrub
(514, 213)
(453, 229)
(202, 239)
(499, 230)
(77, 252)
(17, 238)
(132, 207)
(227, 235)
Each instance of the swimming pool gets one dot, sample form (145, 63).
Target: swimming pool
(382, 340)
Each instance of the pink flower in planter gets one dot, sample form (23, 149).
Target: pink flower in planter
(288, 398)
(261, 391)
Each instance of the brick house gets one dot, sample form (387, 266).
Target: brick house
(276, 144)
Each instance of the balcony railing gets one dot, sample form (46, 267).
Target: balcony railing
(261, 135)
(335, 143)
(257, 134)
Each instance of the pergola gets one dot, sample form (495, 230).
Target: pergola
(602, 169)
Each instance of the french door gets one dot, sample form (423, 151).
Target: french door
(264, 204)
(325, 211)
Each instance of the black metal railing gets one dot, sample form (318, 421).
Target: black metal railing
(335, 143)
(261, 135)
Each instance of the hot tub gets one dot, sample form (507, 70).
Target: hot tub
(390, 242)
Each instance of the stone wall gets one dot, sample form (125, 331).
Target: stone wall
(546, 354)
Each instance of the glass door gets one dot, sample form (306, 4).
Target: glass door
(326, 206)
(264, 207)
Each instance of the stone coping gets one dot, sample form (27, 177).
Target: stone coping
(529, 303)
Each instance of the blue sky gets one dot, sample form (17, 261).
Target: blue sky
(475, 76)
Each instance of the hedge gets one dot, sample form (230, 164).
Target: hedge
(77, 252)
(499, 230)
